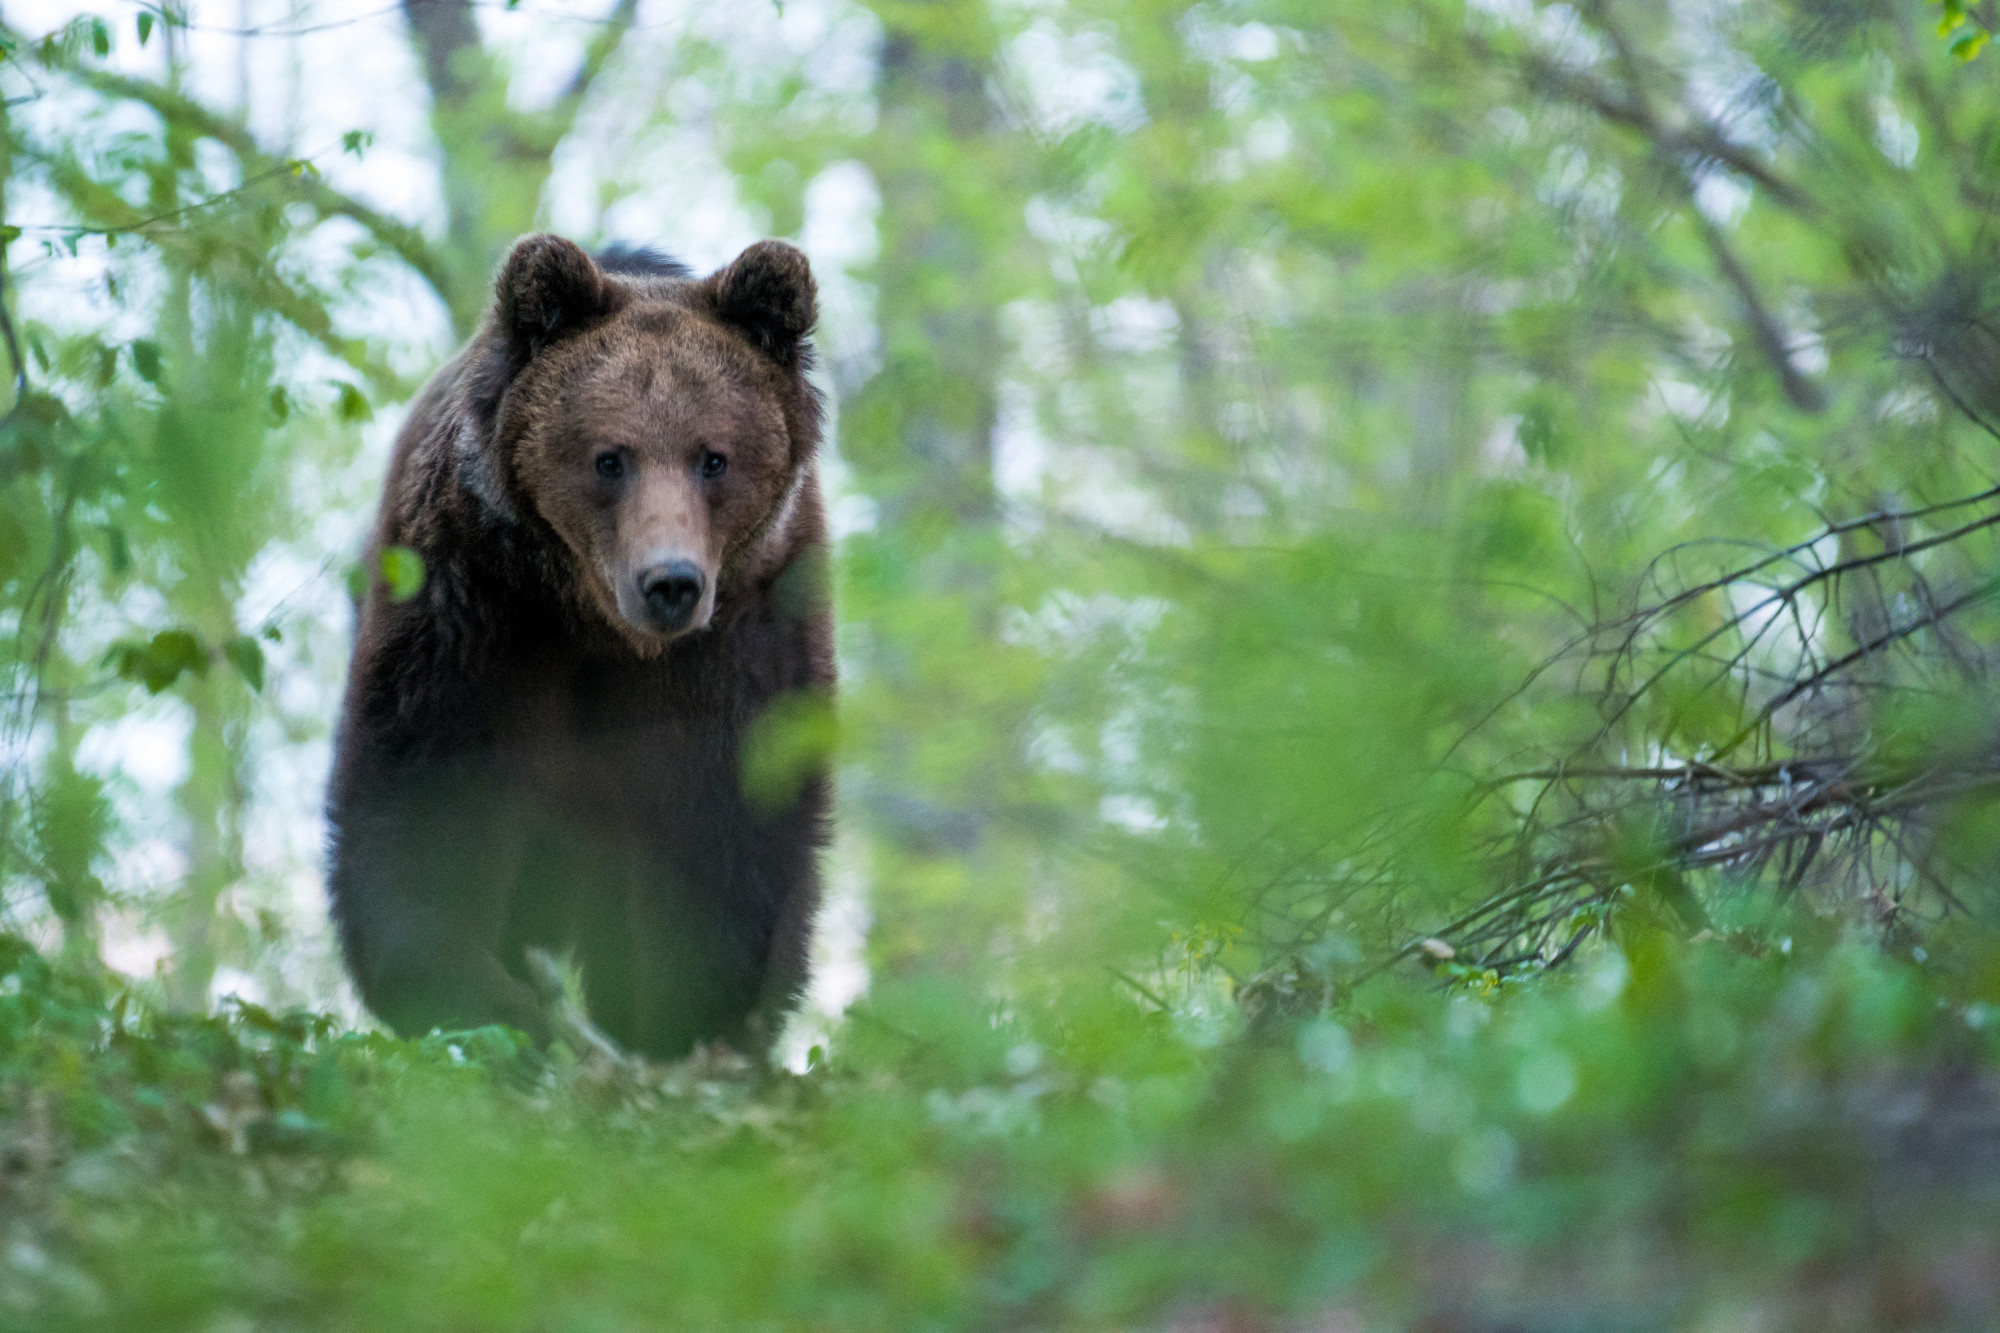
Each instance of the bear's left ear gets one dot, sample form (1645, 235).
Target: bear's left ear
(768, 292)
(547, 287)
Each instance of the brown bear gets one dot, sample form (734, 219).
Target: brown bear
(614, 497)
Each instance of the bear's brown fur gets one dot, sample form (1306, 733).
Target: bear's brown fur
(614, 495)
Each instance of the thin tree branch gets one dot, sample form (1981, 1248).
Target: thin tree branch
(1700, 139)
(1803, 393)
(404, 240)
(1937, 615)
(444, 29)
(603, 45)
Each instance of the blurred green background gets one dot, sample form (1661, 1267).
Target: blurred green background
(1417, 587)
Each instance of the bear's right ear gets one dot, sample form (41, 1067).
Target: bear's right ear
(547, 287)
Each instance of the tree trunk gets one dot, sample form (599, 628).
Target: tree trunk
(495, 159)
(213, 469)
(927, 451)
(211, 800)
(919, 437)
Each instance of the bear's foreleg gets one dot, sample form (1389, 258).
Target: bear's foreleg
(420, 890)
(418, 971)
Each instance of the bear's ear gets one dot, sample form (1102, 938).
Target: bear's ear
(768, 292)
(547, 287)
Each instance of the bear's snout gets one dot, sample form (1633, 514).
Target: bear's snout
(671, 590)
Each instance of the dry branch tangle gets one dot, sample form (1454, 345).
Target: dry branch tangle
(1809, 795)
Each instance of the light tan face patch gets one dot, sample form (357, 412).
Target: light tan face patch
(657, 449)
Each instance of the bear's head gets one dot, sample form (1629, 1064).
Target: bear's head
(661, 426)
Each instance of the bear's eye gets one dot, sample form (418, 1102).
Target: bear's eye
(610, 466)
(713, 465)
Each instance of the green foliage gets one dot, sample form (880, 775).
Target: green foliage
(403, 572)
(146, 360)
(795, 738)
(1668, 1127)
(350, 405)
(159, 662)
(1970, 38)
(247, 656)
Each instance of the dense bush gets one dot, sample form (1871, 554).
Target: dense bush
(1670, 1135)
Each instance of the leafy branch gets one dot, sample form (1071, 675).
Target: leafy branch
(402, 239)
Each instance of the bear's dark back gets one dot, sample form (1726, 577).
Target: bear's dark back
(640, 261)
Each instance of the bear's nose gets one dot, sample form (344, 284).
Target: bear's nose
(671, 591)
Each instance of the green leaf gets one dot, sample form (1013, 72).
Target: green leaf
(1970, 44)
(159, 662)
(146, 360)
(247, 656)
(795, 737)
(357, 142)
(9, 233)
(100, 37)
(351, 405)
(281, 404)
(145, 24)
(118, 550)
(403, 572)
(172, 652)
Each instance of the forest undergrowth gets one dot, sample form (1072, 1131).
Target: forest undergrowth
(1663, 1134)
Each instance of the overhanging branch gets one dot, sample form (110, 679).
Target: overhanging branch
(402, 239)
(603, 45)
